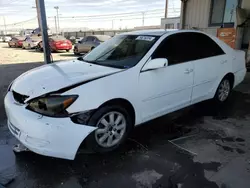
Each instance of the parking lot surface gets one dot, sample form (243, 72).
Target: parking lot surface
(204, 146)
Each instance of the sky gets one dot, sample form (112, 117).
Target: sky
(153, 10)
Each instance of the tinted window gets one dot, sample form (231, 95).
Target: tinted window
(57, 38)
(84, 40)
(90, 39)
(183, 47)
(204, 46)
(175, 48)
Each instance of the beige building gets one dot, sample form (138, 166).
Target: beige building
(170, 23)
(209, 15)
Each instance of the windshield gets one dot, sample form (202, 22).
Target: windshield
(122, 51)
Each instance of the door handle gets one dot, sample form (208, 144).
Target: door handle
(224, 61)
(188, 71)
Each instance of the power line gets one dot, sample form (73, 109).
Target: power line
(117, 14)
(17, 23)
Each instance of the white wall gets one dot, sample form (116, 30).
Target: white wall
(174, 21)
(198, 13)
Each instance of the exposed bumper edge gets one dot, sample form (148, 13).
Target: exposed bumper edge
(55, 137)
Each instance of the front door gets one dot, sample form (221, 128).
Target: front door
(170, 88)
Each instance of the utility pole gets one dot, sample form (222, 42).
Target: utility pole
(57, 8)
(166, 9)
(4, 25)
(120, 24)
(112, 24)
(38, 18)
(143, 16)
(43, 23)
(55, 25)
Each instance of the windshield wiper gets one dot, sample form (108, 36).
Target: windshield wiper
(82, 59)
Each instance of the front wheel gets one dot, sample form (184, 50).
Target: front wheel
(114, 125)
(223, 91)
(76, 51)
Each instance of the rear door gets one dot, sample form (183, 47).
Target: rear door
(209, 67)
(89, 43)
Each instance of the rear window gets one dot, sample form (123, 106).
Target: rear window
(58, 38)
(103, 38)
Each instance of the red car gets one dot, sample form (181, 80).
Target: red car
(16, 42)
(57, 43)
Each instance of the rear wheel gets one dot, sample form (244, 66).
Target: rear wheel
(39, 48)
(67, 50)
(114, 125)
(223, 91)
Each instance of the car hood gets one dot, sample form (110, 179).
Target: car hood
(53, 77)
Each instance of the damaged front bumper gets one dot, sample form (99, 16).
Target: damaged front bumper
(55, 137)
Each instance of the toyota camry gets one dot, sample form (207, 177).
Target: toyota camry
(97, 100)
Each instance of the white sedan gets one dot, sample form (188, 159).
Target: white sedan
(97, 100)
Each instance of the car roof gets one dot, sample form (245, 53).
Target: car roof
(59, 37)
(155, 32)
(158, 32)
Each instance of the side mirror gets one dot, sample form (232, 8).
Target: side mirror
(156, 64)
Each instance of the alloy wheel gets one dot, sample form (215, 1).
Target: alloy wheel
(224, 90)
(111, 129)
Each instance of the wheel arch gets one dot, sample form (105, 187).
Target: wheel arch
(124, 103)
(231, 78)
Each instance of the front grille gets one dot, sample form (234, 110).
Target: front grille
(19, 97)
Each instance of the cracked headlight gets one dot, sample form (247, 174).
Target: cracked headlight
(54, 106)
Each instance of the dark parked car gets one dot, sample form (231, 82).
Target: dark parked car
(89, 43)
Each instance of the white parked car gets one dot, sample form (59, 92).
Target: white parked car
(31, 42)
(6, 38)
(126, 81)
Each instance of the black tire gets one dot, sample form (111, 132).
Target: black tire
(39, 48)
(217, 97)
(92, 48)
(76, 51)
(67, 50)
(91, 142)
